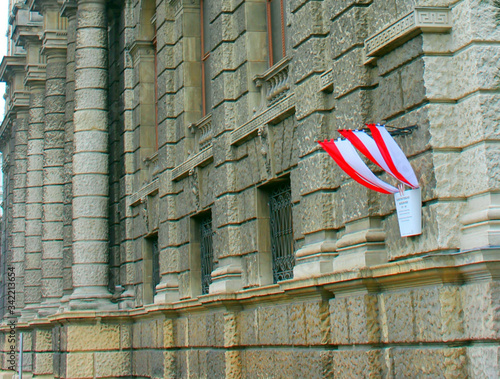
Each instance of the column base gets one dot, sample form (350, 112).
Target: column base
(481, 222)
(30, 312)
(48, 308)
(91, 298)
(227, 277)
(315, 259)
(363, 245)
(168, 289)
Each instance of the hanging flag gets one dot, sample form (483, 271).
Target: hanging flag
(367, 146)
(393, 156)
(344, 154)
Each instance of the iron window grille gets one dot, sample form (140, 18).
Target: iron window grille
(282, 243)
(207, 253)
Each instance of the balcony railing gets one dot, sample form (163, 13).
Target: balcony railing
(274, 83)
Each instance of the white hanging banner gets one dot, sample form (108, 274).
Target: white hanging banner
(409, 209)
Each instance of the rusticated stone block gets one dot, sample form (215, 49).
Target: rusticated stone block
(308, 21)
(451, 313)
(429, 362)
(43, 364)
(339, 321)
(125, 336)
(212, 363)
(480, 305)
(297, 324)
(100, 336)
(233, 364)
(483, 361)
(397, 316)
(113, 364)
(248, 327)
(355, 21)
(316, 211)
(197, 330)
(427, 306)
(357, 364)
(273, 325)
(80, 365)
(354, 319)
(141, 363)
(440, 227)
(42, 340)
(215, 329)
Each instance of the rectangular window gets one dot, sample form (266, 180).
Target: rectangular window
(206, 81)
(276, 30)
(155, 255)
(206, 252)
(281, 228)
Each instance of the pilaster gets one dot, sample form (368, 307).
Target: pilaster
(34, 181)
(12, 72)
(35, 82)
(68, 10)
(54, 49)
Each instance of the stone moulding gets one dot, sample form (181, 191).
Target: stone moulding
(327, 81)
(273, 114)
(147, 190)
(201, 159)
(422, 19)
(274, 82)
(203, 131)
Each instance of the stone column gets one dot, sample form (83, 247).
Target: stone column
(90, 160)
(69, 11)
(54, 49)
(34, 180)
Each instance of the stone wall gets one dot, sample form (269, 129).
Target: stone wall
(110, 154)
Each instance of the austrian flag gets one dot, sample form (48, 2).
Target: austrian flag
(381, 150)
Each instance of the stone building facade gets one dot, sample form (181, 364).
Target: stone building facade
(169, 213)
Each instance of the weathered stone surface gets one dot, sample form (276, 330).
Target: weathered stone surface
(93, 337)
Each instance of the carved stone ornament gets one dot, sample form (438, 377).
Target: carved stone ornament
(264, 149)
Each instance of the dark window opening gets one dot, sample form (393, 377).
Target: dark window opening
(206, 252)
(281, 228)
(275, 10)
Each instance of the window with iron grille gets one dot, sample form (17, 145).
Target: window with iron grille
(281, 226)
(206, 252)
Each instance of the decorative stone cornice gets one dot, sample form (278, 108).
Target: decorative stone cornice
(327, 81)
(10, 65)
(68, 8)
(35, 73)
(420, 20)
(54, 41)
(147, 190)
(5, 129)
(203, 131)
(140, 48)
(15, 8)
(203, 158)
(271, 115)
(178, 5)
(26, 26)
